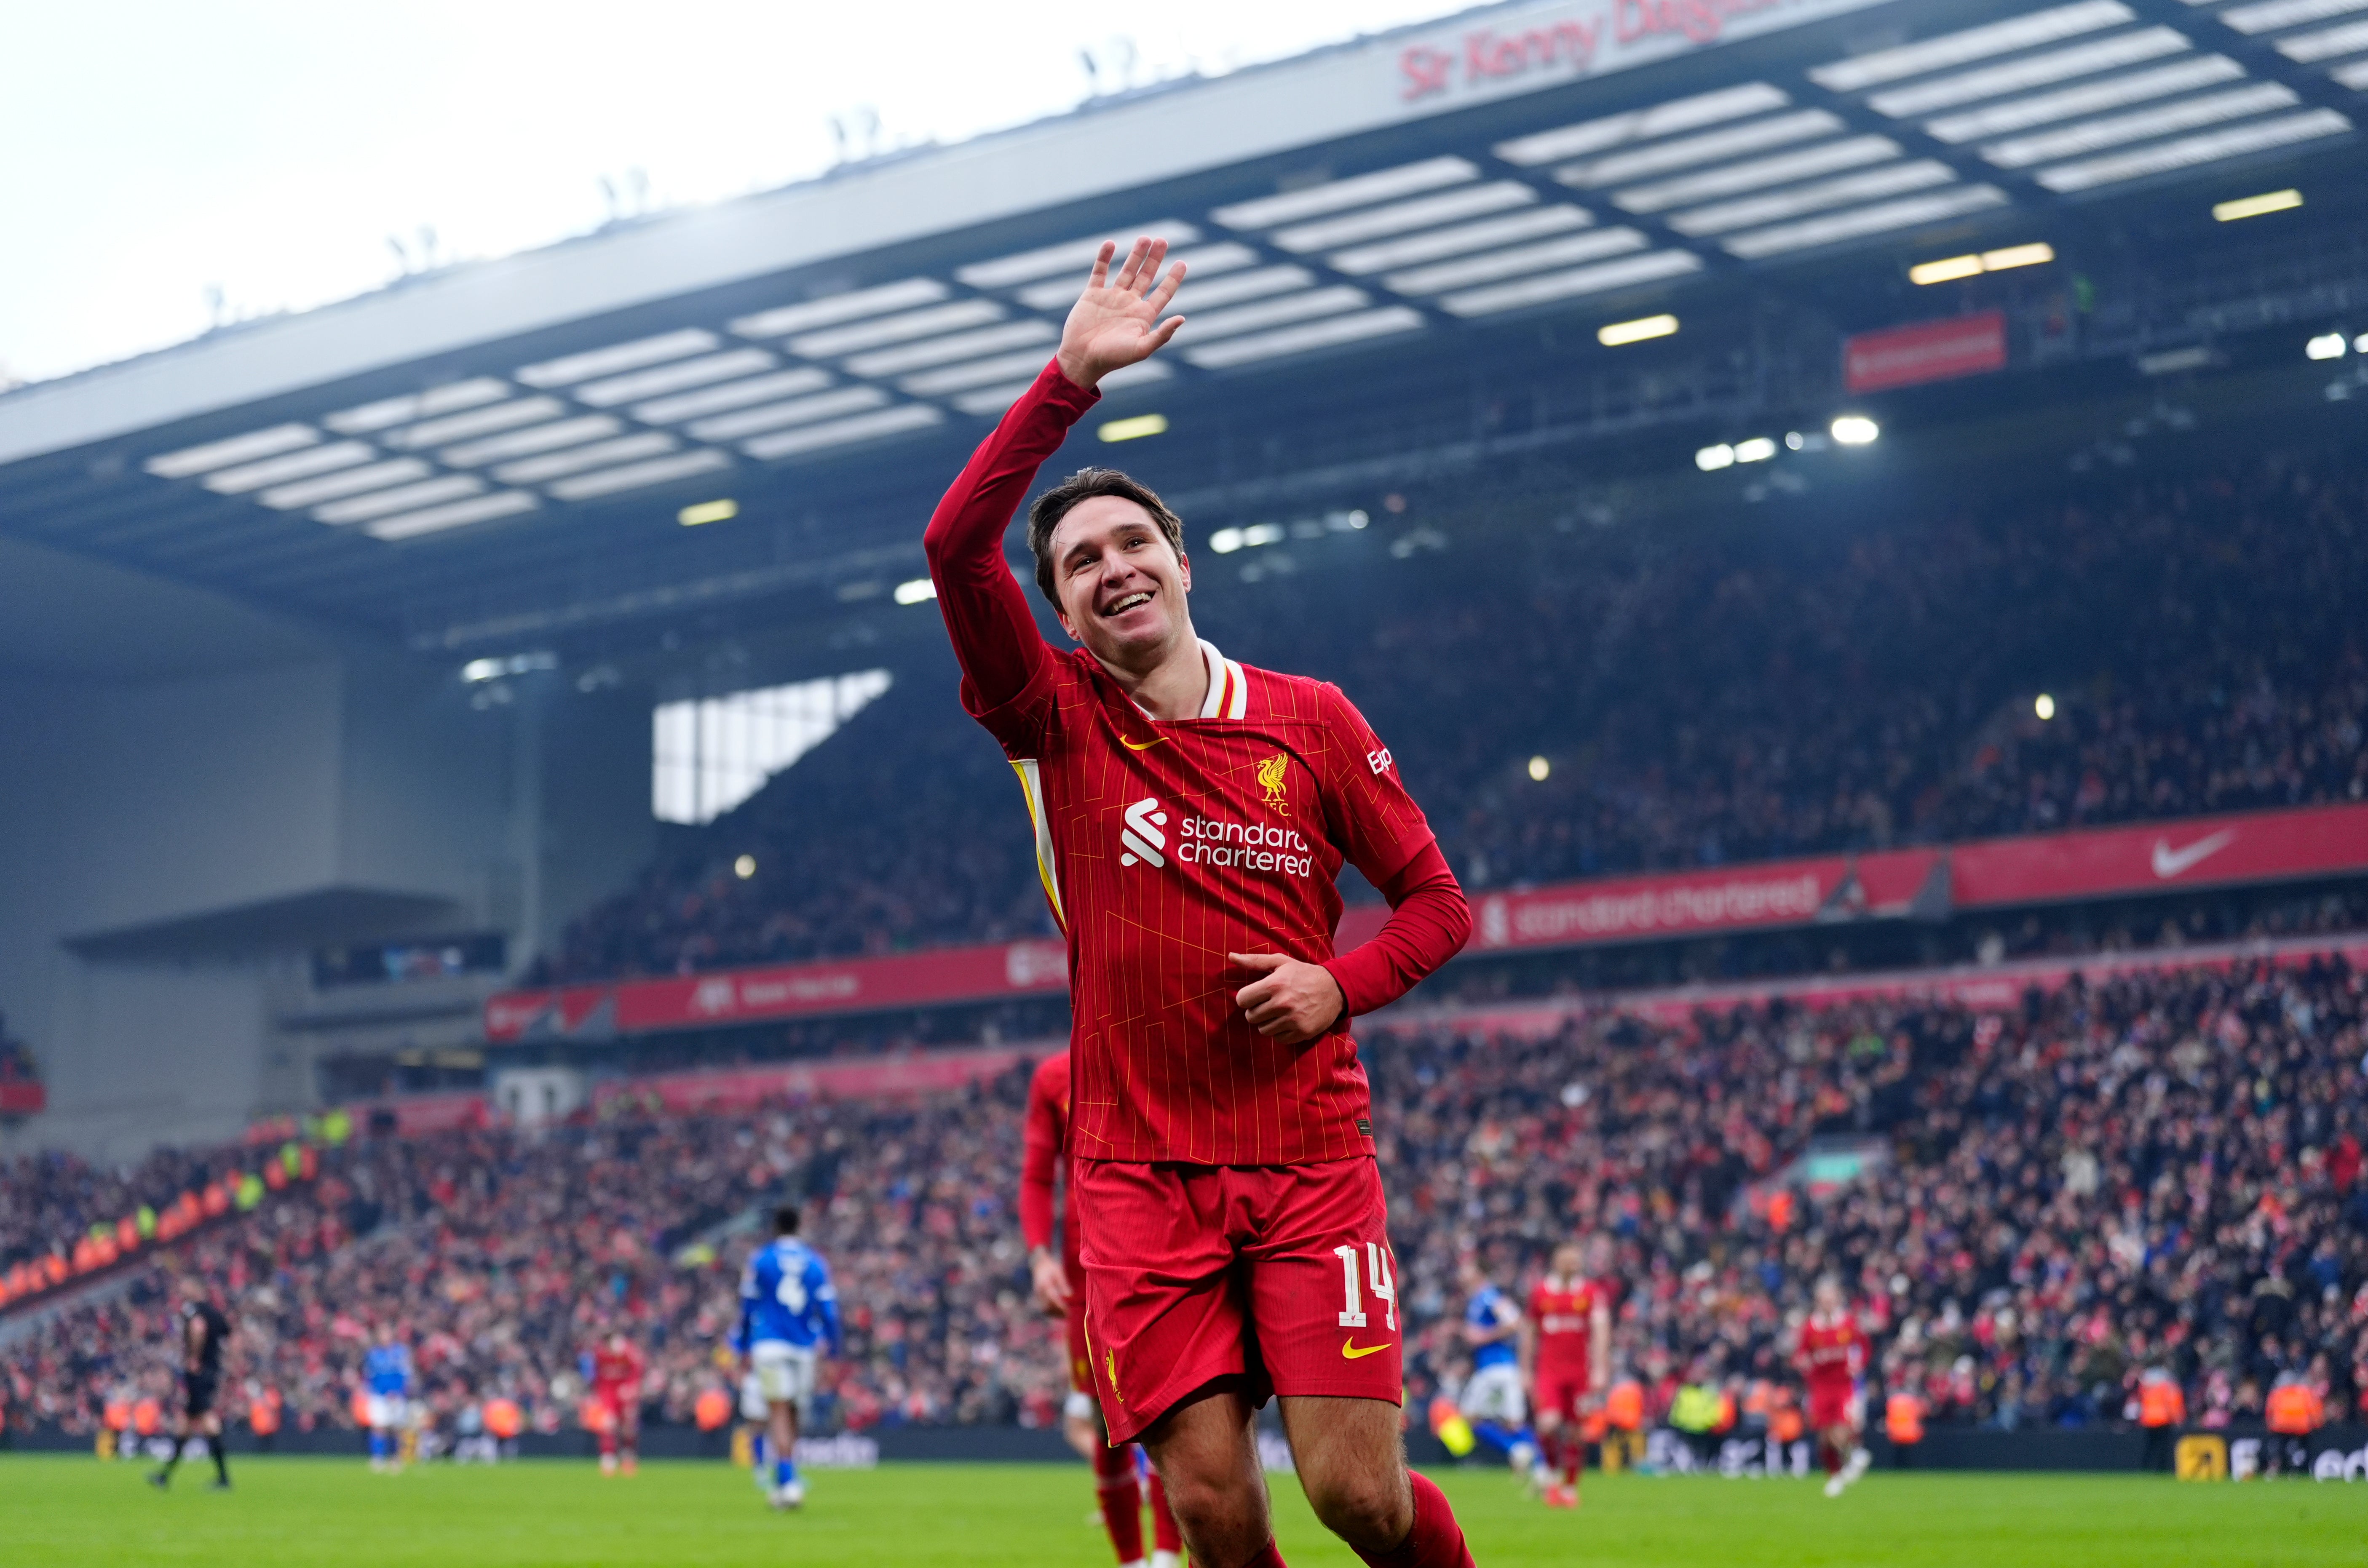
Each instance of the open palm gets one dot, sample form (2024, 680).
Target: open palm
(1116, 321)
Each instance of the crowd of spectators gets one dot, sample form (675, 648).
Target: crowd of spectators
(894, 834)
(1707, 691)
(50, 1198)
(502, 1254)
(2160, 1168)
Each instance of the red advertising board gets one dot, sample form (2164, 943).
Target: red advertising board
(908, 980)
(1996, 989)
(2258, 846)
(1925, 351)
(2089, 863)
(18, 1097)
(883, 1077)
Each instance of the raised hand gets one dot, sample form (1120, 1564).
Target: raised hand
(1116, 321)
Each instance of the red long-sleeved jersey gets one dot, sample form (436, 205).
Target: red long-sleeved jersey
(1166, 844)
(1044, 1142)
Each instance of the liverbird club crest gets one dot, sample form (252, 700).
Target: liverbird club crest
(1271, 774)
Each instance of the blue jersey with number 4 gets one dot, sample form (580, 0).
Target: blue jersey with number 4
(387, 1368)
(786, 1296)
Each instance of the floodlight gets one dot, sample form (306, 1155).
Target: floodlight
(916, 590)
(1134, 429)
(1625, 331)
(2256, 206)
(1854, 429)
(721, 511)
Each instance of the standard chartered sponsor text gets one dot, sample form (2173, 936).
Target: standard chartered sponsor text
(1735, 902)
(1248, 846)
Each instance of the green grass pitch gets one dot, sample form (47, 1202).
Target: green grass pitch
(63, 1509)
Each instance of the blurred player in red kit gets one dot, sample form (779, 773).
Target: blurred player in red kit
(617, 1372)
(1566, 1364)
(1192, 816)
(1061, 1291)
(1832, 1354)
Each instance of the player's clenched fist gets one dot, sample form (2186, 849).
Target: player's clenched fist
(1292, 1002)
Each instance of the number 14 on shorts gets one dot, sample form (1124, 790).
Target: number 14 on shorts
(1378, 1279)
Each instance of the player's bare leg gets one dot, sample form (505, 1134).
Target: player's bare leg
(1208, 1464)
(1167, 1539)
(781, 1431)
(1117, 1493)
(1553, 1433)
(1835, 1445)
(1352, 1458)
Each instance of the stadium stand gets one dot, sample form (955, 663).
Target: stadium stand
(2164, 1164)
(1710, 695)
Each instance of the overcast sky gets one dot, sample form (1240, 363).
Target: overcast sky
(153, 151)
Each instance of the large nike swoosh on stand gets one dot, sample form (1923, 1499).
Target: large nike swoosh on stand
(2170, 862)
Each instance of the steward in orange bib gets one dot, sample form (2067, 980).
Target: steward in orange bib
(2295, 1412)
(1903, 1423)
(2162, 1411)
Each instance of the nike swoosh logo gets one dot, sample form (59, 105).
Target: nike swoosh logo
(1145, 746)
(2170, 862)
(1350, 1349)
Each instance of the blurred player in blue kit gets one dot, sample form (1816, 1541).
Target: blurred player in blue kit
(1493, 1401)
(386, 1382)
(788, 1317)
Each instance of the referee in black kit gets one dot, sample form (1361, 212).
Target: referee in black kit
(204, 1331)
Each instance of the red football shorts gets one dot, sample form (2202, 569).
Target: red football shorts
(1277, 1276)
(1081, 1360)
(1828, 1405)
(1560, 1393)
(618, 1401)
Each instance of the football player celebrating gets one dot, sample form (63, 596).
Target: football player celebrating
(1060, 1284)
(1191, 815)
(1832, 1354)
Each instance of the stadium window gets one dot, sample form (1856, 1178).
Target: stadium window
(708, 755)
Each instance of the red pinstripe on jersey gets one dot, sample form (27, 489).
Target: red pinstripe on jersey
(1173, 844)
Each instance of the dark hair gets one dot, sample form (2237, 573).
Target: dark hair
(1055, 504)
(785, 1219)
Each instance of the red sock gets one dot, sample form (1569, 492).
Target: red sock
(1436, 1540)
(607, 1444)
(1832, 1454)
(1164, 1533)
(1267, 1557)
(1121, 1501)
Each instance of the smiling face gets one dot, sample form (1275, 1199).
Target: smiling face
(1121, 584)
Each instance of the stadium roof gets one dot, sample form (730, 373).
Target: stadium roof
(381, 461)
